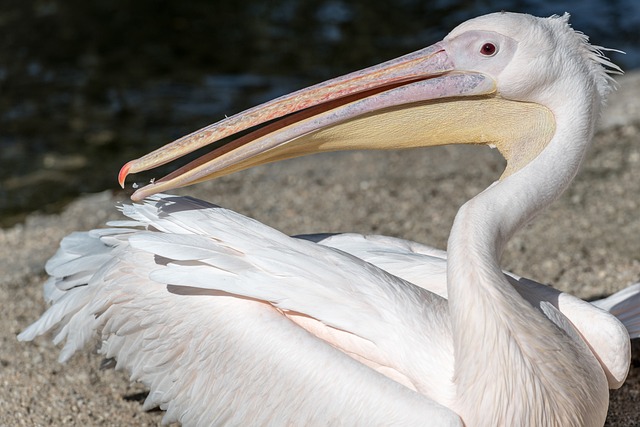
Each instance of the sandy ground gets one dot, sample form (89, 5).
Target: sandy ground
(588, 243)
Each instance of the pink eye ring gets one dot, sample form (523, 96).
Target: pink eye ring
(488, 49)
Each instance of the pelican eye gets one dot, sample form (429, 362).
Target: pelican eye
(488, 49)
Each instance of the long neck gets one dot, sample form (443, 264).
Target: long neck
(508, 356)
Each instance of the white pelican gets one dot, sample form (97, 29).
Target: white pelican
(228, 321)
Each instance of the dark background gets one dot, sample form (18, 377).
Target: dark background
(87, 85)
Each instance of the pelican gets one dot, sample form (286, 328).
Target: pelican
(229, 321)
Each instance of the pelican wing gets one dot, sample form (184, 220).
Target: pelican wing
(229, 321)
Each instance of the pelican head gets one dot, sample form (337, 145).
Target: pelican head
(494, 80)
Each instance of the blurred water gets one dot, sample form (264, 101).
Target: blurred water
(86, 86)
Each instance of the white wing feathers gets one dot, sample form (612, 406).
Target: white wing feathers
(211, 357)
(75, 264)
(359, 302)
(241, 256)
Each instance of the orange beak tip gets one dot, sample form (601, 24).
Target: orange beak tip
(122, 175)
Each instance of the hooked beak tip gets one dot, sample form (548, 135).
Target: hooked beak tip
(122, 175)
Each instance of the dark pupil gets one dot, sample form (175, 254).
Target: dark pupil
(488, 49)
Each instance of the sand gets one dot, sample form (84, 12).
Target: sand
(587, 243)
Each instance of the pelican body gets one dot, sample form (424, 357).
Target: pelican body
(228, 321)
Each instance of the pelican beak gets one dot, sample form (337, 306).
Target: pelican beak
(417, 100)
